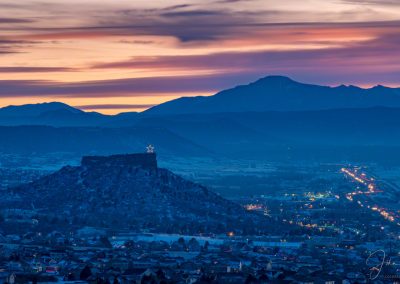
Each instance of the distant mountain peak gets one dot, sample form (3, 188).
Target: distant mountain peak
(36, 109)
(49, 113)
(281, 93)
(276, 78)
(45, 105)
(348, 87)
(380, 87)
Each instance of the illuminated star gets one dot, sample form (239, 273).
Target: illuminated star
(150, 149)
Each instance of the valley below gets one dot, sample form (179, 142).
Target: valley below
(311, 227)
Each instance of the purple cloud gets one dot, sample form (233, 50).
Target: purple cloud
(363, 63)
(23, 69)
(115, 106)
(15, 21)
(123, 87)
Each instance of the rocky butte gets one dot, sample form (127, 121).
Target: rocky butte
(122, 192)
(142, 160)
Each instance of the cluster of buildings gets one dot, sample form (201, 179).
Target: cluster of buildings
(122, 257)
(10, 177)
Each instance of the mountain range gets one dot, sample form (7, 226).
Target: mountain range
(274, 117)
(51, 114)
(272, 93)
(279, 93)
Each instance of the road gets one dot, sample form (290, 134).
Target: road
(367, 190)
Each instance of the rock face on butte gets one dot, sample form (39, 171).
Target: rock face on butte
(129, 192)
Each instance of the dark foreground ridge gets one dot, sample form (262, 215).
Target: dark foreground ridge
(127, 192)
(143, 160)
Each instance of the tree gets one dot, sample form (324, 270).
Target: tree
(194, 245)
(70, 277)
(104, 240)
(206, 245)
(251, 279)
(85, 273)
(181, 241)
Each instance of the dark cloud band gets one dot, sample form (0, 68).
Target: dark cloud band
(22, 69)
(115, 106)
(154, 86)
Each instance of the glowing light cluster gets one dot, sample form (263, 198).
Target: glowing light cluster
(372, 189)
(254, 207)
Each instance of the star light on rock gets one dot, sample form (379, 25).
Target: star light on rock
(150, 149)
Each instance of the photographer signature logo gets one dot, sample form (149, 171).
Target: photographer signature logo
(376, 262)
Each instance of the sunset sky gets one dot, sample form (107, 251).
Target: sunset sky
(126, 55)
